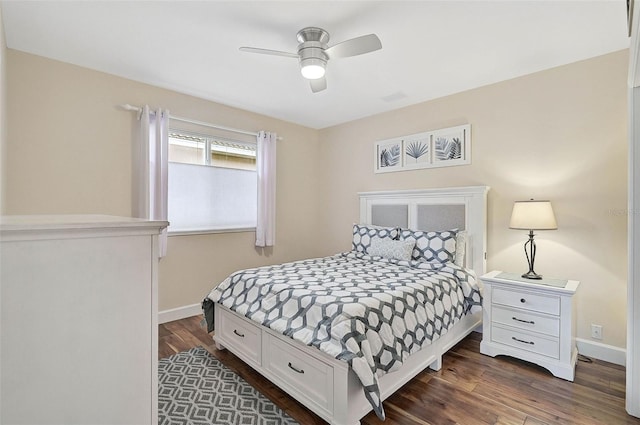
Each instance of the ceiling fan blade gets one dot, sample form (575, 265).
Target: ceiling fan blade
(355, 46)
(269, 52)
(318, 84)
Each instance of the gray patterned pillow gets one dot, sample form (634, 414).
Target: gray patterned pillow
(439, 247)
(388, 248)
(362, 234)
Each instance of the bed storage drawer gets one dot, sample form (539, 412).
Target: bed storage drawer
(299, 374)
(244, 337)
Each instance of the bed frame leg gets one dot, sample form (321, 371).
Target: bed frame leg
(437, 364)
(218, 345)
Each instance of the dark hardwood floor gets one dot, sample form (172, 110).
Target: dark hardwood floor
(469, 389)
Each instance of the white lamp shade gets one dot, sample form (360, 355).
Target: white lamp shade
(533, 215)
(312, 68)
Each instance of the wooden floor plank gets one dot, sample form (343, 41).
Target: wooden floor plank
(469, 389)
(443, 402)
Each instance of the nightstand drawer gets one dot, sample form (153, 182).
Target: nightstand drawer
(526, 341)
(525, 320)
(526, 300)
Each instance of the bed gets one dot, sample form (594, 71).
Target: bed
(342, 333)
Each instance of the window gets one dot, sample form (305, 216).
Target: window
(212, 183)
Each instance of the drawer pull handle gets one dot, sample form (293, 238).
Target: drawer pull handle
(295, 368)
(531, 322)
(238, 333)
(522, 341)
(522, 300)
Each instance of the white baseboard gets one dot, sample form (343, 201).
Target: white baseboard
(600, 351)
(179, 313)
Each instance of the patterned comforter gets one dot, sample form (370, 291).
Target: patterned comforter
(371, 312)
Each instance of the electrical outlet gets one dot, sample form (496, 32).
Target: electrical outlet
(596, 331)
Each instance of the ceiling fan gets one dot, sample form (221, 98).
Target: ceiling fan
(314, 53)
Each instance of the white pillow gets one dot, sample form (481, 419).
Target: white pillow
(389, 248)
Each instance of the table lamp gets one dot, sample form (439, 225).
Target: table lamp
(532, 215)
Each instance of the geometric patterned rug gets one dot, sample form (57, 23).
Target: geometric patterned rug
(195, 388)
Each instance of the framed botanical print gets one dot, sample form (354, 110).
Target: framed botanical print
(438, 148)
(388, 156)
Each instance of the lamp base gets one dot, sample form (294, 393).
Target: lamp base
(532, 275)
(531, 257)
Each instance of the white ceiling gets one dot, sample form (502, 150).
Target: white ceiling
(430, 49)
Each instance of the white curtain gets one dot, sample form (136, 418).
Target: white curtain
(266, 167)
(150, 169)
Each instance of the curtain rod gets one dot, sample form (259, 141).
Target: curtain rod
(138, 109)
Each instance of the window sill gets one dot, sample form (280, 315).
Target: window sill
(209, 231)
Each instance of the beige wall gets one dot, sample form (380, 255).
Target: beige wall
(3, 108)
(559, 134)
(69, 151)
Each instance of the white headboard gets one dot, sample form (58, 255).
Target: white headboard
(434, 209)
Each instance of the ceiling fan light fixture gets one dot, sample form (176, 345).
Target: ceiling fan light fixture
(312, 68)
(313, 53)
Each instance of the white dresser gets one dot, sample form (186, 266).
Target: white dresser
(530, 320)
(79, 319)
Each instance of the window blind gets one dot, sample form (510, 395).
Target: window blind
(211, 198)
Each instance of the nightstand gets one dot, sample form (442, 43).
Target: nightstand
(533, 320)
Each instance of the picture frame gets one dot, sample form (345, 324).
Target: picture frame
(450, 146)
(417, 151)
(432, 149)
(388, 155)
